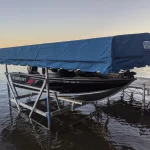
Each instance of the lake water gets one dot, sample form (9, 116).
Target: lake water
(120, 125)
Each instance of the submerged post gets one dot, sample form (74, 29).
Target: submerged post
(131, 99)
(48, 100)
(143, 97)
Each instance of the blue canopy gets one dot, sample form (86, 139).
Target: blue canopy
(107, 54)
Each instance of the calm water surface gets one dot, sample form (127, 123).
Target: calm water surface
(119, 125)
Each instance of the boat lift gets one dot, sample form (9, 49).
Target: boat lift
(107, 55)
(60, 99)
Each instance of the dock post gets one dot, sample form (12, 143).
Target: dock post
(48, 100)
(108, 101)
(148, 92)
(143, 97)
(95, 103)
(72, 106)
(131, 99)
(122, 96)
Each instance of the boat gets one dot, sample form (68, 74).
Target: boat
(75, 85)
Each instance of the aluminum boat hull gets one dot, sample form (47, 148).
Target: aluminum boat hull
(71, 84)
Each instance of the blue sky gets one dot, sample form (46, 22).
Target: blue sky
(25, 22)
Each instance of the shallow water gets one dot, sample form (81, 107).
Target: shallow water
(120, 125)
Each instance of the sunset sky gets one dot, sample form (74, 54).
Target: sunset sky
(24, 22)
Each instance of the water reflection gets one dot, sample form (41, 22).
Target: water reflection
(129, 112)
(73, 131)
(108, 127)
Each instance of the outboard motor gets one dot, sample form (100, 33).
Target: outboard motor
(129, 74)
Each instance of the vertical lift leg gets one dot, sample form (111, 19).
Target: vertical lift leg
(48, 100)
(6, 67)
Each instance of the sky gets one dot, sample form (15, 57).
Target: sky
(26, 22)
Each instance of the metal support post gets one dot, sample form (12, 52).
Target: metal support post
(13, 94)
(72, 106)
(143, 97)
(57, 101)
(8, 85)
(48, 100)
(8, 89)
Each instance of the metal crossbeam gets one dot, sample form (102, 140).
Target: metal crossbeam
(38, 97)
(30, 108)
